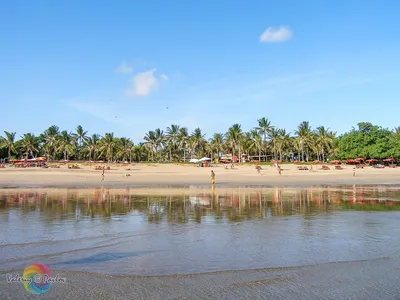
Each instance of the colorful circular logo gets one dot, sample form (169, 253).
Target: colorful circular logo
(36, 279)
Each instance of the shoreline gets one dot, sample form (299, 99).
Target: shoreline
(183, 177)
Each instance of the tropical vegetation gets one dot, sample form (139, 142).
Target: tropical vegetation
(178, 144)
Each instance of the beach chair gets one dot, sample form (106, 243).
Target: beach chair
(302, 168)
(325, 168)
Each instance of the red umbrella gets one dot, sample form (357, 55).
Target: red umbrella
(371, 160)
(389, 159)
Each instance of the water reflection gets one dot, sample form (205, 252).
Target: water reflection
(227, 205)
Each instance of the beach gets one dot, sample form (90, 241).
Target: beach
(184, 175)
(164, 232)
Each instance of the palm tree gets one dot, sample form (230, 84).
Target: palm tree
(150, 142)
(197, 141)
(264, 127)
(49, 140)
(283, 142)
(108, 143)
(91, 146)
(160, 139)
(66, 144)
(183, 138)
(303, 133)
(80, 136)
(216, 143)
(234, 137)
(172, 138)
(274, 136)
(138, 152)
(8, 142)
(324, 140)
(124, 149)
(29, 144)
(256, 142)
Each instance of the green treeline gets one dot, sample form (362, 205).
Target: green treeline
(177, 144)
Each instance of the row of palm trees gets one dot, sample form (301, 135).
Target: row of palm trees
(175, 144)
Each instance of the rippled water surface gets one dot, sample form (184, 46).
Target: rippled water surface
(322, 242)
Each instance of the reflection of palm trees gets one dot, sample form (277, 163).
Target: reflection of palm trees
(231, 205)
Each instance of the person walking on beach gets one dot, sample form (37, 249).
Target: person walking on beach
(102, 174)
(212, 177)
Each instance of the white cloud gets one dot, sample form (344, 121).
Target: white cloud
(124, 68)
(144, 83)
(276, 35)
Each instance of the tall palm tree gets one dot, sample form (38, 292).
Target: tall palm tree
(303, 134)
(274, 135)
(66, 144)
(91, 146)
(264, 127)
(183, 138)
(138, 152)
(108, 143)
(324, 140)
(283, 142)
(257, 142)
(197, 141)
(49, 141)
(80, 136)
(124, 149)
(151, 142)
(8, 142)
(172, 138)
(216, 143)
(160, 139)
(234, 137)
(29, 144)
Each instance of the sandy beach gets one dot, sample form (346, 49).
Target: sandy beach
(180, 176)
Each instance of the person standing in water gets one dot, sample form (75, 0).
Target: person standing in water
(102, 174)
(212, 177)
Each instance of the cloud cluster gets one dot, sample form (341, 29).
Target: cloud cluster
(143, 83)
(124, 68)
(276, 35)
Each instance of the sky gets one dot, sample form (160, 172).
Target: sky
(132, 66)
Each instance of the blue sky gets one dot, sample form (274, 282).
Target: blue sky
(117, 66)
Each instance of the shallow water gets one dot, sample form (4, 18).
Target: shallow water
(267, 242)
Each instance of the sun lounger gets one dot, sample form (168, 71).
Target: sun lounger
(302, 168)
(338, 168)
(325, 168)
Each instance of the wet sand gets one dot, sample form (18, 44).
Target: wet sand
(175, 175)
(359, 280)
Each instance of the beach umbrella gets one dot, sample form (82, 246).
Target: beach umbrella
(205, 159)
(194, 160)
